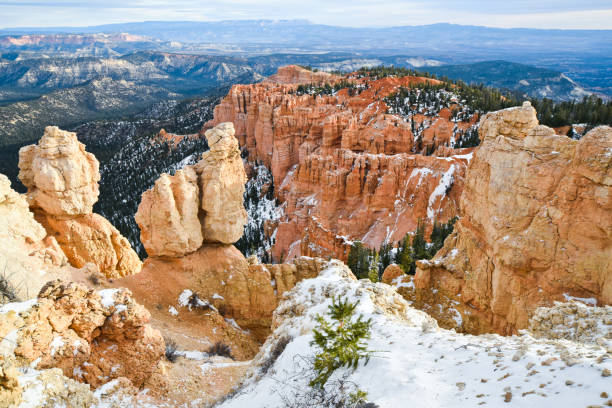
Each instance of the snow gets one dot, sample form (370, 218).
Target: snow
(108, 297)
(587, 301)
(183, 298)
(445, 182)
(193, 355)
(120, 308)
(56, 343)
(403, 282)
(467, 157)
(33, 389)
(8, 343)
(419, 365)
(235, 325)
(17, 307)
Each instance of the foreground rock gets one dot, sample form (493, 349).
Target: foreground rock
(71, 331)
(62, 181)
(418, 364)
(344, 169)
(535, 226)
(28, 258)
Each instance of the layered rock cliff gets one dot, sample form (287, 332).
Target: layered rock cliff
(535, 226)
(62, 181)
(345, 167)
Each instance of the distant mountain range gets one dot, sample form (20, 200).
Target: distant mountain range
(585, 56)
(68, 75)
(525, 79)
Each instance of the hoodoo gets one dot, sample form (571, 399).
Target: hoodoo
(345, 166)
(62, 181)
(188, 223)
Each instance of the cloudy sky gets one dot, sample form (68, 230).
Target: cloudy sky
(591, 14)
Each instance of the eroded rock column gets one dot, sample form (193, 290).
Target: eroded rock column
(62, 181)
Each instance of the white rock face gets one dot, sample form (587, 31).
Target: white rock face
(420, 365)
(26, 256)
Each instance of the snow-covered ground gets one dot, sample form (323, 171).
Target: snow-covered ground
(418, 364)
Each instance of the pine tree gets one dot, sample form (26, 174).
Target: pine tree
(373, 272)
(341, 341)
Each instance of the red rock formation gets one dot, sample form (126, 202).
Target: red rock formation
(294, 74)
(343, 168)
(535, 226)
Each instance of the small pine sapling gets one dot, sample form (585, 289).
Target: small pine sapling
(342, 342)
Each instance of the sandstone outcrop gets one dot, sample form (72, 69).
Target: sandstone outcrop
(574, 321)
(344, 167)
(391, 273)
(25, 386)
(93, 337)
(27, 257)
(200, 203)
(535, 225)
(62, 181)
(294, 74)
(188, 223)
(218, 280)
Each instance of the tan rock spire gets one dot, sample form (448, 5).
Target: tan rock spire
(188, 224)
(200, 203)
(61, 177)
(62, 181)
(222, 179)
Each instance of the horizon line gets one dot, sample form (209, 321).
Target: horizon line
(73, 27)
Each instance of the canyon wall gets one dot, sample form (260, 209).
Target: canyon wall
(344, 169)
(535, 226)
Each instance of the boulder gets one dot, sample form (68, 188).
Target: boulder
(391, 273)
(93, 337)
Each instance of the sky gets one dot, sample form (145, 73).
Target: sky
(565, 14)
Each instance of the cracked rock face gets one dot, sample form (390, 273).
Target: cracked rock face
(62, 181)
(535, 224)
(93, 337)
(200, 203)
